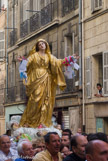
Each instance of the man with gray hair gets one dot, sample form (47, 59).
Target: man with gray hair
(25, 151)
(6, 152)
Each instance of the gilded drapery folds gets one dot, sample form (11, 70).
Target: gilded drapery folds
(44, 73)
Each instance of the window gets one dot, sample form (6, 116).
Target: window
(97, 67)
(68, 6)
(2, 44)
(102, 124)
(96, 5)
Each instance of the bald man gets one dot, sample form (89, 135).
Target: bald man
(6, 153)
(97, 150)
(78, 143)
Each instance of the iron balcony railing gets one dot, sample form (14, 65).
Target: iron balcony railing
(34, 22)
(39, 19)
(24, 28)
(15, 94)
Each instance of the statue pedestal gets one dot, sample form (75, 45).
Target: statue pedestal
(35, 132)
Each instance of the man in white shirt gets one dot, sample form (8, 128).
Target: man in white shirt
(6, 153)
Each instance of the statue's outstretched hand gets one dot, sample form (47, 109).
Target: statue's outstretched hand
(20, 58)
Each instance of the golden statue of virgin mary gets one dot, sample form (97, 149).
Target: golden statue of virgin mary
(44, 73)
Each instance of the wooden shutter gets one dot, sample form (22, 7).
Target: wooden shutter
(65, 46)
(2, 44)
(16, 16)
(74, 119)
(105, 73)
(36, 5)
(65, 119)
(13, 69)
(26, 6)
(88, 77)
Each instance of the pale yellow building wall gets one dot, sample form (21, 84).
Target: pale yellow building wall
(88, 8)
(90, 119)
(2, 78)
(95, 41)
(2, 126)
(2, 20)
(96, 35)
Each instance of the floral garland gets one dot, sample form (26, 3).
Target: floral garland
(70, 65)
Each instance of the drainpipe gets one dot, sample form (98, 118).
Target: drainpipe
(81, 60)
(83, 66)
(80, 43)
(13, 14)
(7, 54)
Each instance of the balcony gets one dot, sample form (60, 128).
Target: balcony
(34, 22)
(22, 91)
(11, 94)
(39, 19)
(13, 37)
(15, 94)
(46, 15)
(24, 28)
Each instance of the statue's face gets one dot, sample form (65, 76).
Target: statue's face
(41, 45)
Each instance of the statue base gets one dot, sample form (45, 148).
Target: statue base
(35, 132)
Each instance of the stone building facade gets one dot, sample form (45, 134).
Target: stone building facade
(2, 65)
(58, 23)
(95, 53)
(69, 26)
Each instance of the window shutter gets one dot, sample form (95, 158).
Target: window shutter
(88, 77)
(65, 47)
(13, 74)
(105, 73)
(74, 119)
(15, 17)
(65, 119)
(2, 44)
(21, 12)
(36, 5)
(26, 6)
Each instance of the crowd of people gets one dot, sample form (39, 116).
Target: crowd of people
(52, 147)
